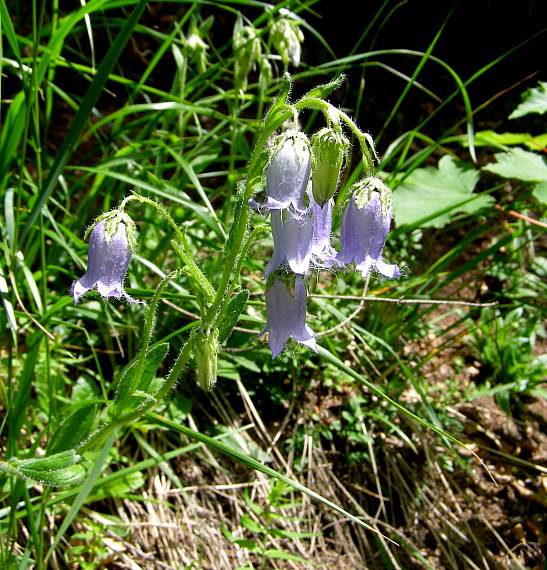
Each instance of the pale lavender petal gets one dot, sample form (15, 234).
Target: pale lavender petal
(287, 316)
(388, 269)
(363, 235)
(288, 173)
(323, 254)
(107, 264)
(292, 238)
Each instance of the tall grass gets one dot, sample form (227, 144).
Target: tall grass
(113, 97)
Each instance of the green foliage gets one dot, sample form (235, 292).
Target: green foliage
(533, 101)
(519, 164)
(158, 117)
(429, 197)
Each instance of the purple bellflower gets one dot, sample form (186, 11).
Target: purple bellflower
(111, 244)
(292, 237)
(287, 316)
(365, 226)
(323, 254)
(288, 172)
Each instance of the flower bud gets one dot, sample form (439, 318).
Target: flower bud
(365, 226)
(111, 244)
(266, 75)
(288, 171)
(247, 51)
(329, 149)
(195, 48)
(206, 355)
(286, 37)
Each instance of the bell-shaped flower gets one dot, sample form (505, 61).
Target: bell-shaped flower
(292, 236)
(111, 245)
(365, 226)
(247, 51)
(287, 37)
(288, 171)
(323, 254)
(286, 316)
(329, 150)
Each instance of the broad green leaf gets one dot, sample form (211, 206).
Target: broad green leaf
(533, 101)
(60, 469)
(230, 318)
(73, 429)
(83, 390)
(153, 359)
(519, 164)
(540, 191)
(491, 138)
(430, 196)
(66, 477)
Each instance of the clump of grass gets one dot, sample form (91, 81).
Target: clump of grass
(103, 99)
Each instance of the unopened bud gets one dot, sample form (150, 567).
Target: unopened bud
(329, 150)
(206, 355)
(195, 48)
(247, 52)
(286, 37)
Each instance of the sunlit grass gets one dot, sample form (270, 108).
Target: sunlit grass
(102, 101)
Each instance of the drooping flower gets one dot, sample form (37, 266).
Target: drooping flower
(111, 244)
(288, 171)
(329, 149)
(247, 51)
(286, 314)
(292, 236)
(365, 226)
(323, 254)
(286, 37)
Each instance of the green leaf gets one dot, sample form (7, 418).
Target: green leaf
(153, 359)
(430, 196)
(84, 111)
(540, 192)
(120, 487)
(231, 316)
(83, 390)
(12, 131)
(73, 429)
(323, 91)
(491, 138)
(280, 555)
(533, 101)
(250, 524)
(519, 164)
(246, 543)
(66, 477)
(59, 469)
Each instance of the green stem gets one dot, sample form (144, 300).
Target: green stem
(106, 429)
(146, 338)
(365, 140)
(183, 249)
